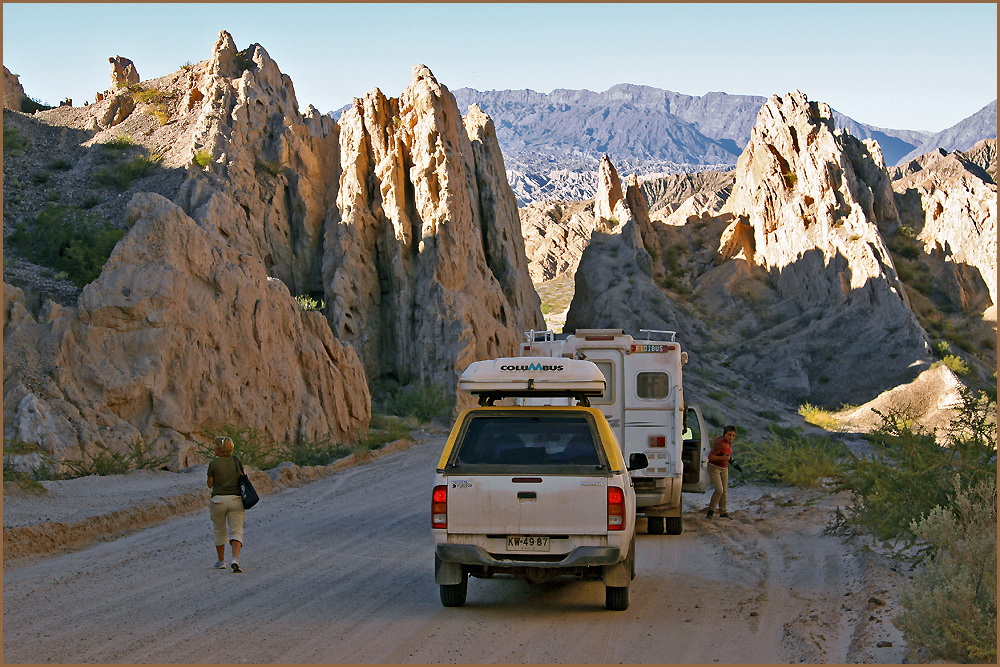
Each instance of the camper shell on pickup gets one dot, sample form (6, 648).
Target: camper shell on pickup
(644, 404)
(534, 492)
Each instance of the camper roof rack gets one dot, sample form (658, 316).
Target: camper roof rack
(649, 334)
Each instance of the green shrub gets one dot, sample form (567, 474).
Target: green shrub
(13, 142)
(319, 453)
(308, 303)
(90, 202)
(790, 178)
(957, 366)
(950, 610)
(119, 142)
(249, 446)
(41, 177)
(819, 417)
(908, 473)
(424, 401)
(121, 174)
(31, 105)
(272, 167)
(202, 158)
(68, 239)
(152, 96)
(59, 164)
(110, 462)
(941, 349)
(385, 429)
(789, 457)
(718, 395)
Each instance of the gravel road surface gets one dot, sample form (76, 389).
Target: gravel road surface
(341, 570)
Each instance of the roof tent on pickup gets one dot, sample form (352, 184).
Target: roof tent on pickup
(515, 377)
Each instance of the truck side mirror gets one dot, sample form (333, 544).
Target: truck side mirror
(637, 461)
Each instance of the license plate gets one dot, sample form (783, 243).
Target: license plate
(529, 543)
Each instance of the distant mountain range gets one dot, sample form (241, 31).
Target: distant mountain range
(553, 142)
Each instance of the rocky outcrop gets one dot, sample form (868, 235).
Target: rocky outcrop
(424, 263)
(181, 332)
(123, 72)
(555, 235)
(666, 193)
(949, 202)
(398, 220)
(13, 92)
(815, 199)
(613, 283)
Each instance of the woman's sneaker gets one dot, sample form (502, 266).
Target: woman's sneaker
(710, 514)
(220, 565)
(724, 515)
(236, 567)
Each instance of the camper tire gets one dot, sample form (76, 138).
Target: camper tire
(453, 595)
(616, 598)
(674, 525)
(654, 525)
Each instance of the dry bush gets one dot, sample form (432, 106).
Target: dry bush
(950, 611)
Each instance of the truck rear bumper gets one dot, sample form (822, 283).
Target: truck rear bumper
(469, 554)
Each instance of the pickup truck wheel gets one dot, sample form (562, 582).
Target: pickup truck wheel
(453, 595)
(675, 525)
(616, 598)
(654, 525)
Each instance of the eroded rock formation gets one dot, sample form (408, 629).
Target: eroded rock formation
(13, 92)
(180, 332)
(555, 235)
(949, 202)
(398, 219)
(815, 199)
(123, 72)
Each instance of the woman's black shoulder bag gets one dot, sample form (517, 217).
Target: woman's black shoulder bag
(247, 491)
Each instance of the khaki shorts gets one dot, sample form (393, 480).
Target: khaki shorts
(231, 508)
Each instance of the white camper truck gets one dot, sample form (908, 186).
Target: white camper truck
(643, 401)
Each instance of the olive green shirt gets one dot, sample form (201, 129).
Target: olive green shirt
(225, 476)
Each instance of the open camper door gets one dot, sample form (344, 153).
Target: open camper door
(695, 452)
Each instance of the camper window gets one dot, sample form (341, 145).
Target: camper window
(652, 385)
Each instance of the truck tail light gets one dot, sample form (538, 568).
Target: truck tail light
(657, 441)
(616, 508)
(439, 507)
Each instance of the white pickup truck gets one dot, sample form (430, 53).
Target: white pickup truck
(534, 492)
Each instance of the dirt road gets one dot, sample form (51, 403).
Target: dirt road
(341, 570)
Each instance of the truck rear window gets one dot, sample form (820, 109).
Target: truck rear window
(545, 440)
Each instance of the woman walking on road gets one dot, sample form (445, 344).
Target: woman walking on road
(226, 504)
(718, 470)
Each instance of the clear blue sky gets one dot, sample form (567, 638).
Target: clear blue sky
(902, 66)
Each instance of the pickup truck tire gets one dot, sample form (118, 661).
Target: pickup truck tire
(453, 595)
(654, 525)
(674, 525)
(615, 597)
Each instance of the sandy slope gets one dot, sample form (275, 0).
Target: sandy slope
(340, 570)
